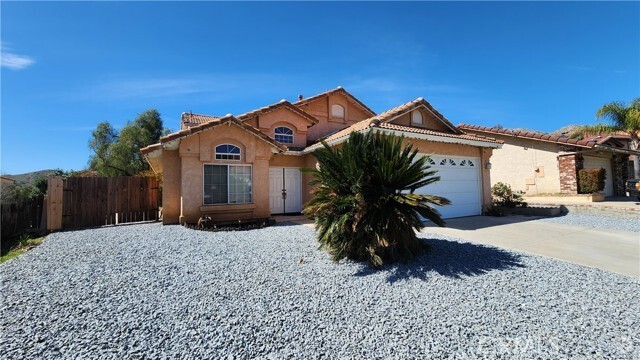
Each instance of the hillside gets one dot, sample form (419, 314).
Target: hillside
(30, 177)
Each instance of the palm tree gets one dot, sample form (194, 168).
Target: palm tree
(364, 204)
(621, 119)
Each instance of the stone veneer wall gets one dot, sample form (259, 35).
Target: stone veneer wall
(569, 166)
(620, 173)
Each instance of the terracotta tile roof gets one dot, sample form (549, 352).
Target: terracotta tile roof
(374, 122)
(211, 124)
(415, 130)
(404, 108)
(360, 125)
(189, 119)
(530, 135)
(338, 90)
(278, 105)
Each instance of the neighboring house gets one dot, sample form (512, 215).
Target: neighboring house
(539, 163)
(249, 165)
(7, 180)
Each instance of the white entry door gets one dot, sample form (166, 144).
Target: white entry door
(285, 190)
(460, 182)
(592, 162)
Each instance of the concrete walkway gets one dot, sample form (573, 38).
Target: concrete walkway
(612, 250)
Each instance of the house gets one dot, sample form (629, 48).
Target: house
(7, 180)
(539, 163)
(249, 165)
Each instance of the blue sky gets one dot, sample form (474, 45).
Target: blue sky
(68, 66)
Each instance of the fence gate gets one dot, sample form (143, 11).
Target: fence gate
(98, 201)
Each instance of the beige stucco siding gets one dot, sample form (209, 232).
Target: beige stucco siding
(516, 164)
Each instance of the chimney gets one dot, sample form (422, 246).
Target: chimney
(300, 97)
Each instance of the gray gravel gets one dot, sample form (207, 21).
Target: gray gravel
(166, 291)
(598, 221)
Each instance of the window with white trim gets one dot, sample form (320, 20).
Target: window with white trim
(227, 152)
(337, 111)
(283, 134)
(416, 117)
(227, 184)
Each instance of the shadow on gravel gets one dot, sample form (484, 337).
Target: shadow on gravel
(451, 259)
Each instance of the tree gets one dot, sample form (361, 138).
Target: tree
(118, 153)
(621, 119)
(364, 205)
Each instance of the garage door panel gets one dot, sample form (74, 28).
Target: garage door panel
(457, 175)
(459, 182)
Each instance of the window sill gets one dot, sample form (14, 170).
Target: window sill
(229, 207)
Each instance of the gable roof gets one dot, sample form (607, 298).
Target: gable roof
(338, 90)
(381, 122)
(281, 104)
(228, 119)
(412, 105)
(530, 135)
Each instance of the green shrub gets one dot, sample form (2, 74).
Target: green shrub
(591, 180)
(502, 195)
(364, 207)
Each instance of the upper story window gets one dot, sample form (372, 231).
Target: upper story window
(284, 135)
(416, 117)
(337, 111)
(227, 152)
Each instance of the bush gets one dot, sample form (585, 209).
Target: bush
(364, 207)
(591, 180)
(503, 196)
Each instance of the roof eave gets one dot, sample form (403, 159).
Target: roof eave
(410, 135)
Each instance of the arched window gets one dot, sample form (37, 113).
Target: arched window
(284, 135)
(337, 111)
(416, 117)
(227, 152)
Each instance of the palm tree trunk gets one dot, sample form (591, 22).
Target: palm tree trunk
(635, 144)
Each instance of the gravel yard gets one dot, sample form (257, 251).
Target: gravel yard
(598, 221)
(167, 291)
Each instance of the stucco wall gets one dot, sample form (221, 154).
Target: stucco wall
(428, 121)
(328, 124)
(171, 187)
(516, 164)
(197, 150)
(284, 117)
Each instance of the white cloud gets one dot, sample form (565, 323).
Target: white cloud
(215, 87)
(9, 59)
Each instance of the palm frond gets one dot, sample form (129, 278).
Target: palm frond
(364, 204)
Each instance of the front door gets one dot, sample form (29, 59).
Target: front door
(284, 190)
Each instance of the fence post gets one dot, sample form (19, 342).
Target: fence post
(54, 203)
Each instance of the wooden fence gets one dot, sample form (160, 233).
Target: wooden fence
(80, 202)
(24, 216)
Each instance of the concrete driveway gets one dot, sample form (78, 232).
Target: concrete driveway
(612, 250)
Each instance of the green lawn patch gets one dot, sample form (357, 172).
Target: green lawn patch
(26, 243)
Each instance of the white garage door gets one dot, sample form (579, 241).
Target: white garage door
(459, 182)
(592, 162)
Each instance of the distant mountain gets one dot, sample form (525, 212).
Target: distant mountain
(566, 130)
(29, 178)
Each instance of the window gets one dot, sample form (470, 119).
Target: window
(337, 111)
(284, 135)
(227, 152)
(416, 117)
(227, 184)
